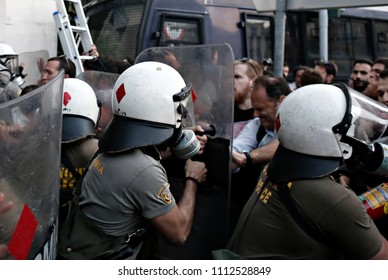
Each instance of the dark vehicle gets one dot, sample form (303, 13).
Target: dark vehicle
(122, 29)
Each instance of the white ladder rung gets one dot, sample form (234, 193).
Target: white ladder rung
(87, 57)
(73, 1)
(78, 28)
(72, 35)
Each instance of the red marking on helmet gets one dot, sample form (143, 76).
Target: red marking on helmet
(120, 93)
(277, 123)
(66, 98)
(193, 95)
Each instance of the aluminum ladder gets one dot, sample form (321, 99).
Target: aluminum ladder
(72, 35)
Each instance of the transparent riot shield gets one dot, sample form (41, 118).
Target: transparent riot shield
(33, 65)
(209, 68)
(30, 137)
(102, 84)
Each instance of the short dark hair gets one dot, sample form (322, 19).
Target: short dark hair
(382, 60)
(274, 86)
(384, 74)
(330, 66)
(66, 64)
(363, 61)
(296, 69)
(311, 76)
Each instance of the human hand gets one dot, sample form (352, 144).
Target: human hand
(8, 133)
(196, 170)
(93, 51)
(238, 159)
(41, 64)
(4, 207)
(201, 138)
(171, 59)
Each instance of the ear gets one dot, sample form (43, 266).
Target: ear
(329, 78)
(281, 98)
(251, 85)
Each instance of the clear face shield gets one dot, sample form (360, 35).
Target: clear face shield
(365, 121)
(184, 107)
(187, 144)
(11, 62)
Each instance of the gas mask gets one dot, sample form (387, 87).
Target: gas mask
(11, 62)
(8, 89)
(186, 144)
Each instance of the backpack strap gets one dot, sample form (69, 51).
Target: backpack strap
(67, 162)
(284, 194)
(261, 132)
(250, 204)
(77, 189)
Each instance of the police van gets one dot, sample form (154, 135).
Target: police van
(122, 29)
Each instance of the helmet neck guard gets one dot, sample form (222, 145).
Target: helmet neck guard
(288, 165)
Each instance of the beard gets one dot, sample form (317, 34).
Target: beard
(360, 85)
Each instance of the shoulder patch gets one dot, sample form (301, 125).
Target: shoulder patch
(165, 194)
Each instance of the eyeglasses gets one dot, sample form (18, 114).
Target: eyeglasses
(250, 62)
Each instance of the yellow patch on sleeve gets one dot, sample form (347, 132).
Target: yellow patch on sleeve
(165, 194)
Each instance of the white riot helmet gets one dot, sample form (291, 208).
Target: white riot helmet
(149, 103)
(314, 124)
(80, 110)
(10, 59)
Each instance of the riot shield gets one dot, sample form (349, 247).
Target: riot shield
(102, 84)
(33, 64)
(209, 68)
(30, 137)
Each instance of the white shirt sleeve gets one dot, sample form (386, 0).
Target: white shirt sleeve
(246, 140)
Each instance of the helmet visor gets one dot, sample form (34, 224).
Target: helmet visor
(11, 62)
(369, 118)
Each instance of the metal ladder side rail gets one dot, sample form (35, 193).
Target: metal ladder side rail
(68, 32)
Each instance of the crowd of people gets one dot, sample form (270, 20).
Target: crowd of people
(293, 194)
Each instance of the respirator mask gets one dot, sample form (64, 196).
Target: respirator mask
(8, 89)
(186, 144)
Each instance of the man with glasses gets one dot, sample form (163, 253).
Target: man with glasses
(245, 71)
(54, 65)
